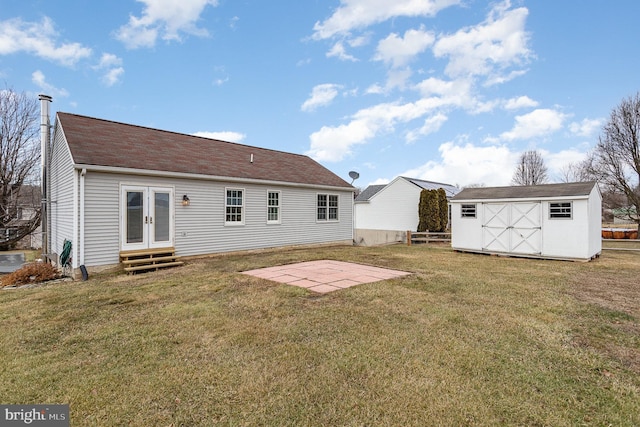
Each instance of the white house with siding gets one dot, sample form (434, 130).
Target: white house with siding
(384, 213)
(116, 187)
(558, 221)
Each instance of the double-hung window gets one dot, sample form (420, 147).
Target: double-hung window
(273, 207)
(327, 207)
(234, 206)
(468, 210)
(560, 210)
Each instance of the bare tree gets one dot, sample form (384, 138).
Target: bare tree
(616, 159)
(578, 171)
(530, 169)
(19, 158)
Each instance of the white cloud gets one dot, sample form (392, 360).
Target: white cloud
(466, 164)
(229, 136)
(321, 95)
(334, 143)
(356, 14)
(586, 128)
(537, 123)
(431, 124)
(488, 48)
(520, 102)
(163, 18)
(111, 65)
(398, 51)
(113, 76)
(340, 52)
(39, 39)
(556, 162)
(38, 78)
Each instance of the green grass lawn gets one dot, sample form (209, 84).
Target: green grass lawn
(465, 340)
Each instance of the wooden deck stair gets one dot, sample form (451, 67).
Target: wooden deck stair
(149, 259)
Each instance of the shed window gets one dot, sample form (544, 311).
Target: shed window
(327, 207)
(468, 210)
(234, 205)
(560, 210)
(273, 207)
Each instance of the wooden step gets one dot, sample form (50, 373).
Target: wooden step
(149, 259)
(154, 267)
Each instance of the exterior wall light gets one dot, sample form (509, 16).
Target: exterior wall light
(185, 200)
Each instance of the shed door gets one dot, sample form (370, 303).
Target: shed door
(512, 227)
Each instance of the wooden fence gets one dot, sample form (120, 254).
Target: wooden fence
(427, 237)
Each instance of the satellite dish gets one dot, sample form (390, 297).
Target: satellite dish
(354, 175)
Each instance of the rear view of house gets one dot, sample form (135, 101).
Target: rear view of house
(561, 221)
(116, 187)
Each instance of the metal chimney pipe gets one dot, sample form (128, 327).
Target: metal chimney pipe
(45, 101)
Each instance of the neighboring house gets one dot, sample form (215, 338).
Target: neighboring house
(115, 187)
(26, 211)
(625, 215)
(384, 213)
(561, 221)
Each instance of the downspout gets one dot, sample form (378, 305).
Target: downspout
(81, 240)
(45, 126)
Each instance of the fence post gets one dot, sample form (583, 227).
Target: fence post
(408, 237)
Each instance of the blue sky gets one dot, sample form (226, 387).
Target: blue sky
(445, 90)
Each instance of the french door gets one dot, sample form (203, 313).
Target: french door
(146, 217)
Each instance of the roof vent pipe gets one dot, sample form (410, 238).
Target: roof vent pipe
(45, 101)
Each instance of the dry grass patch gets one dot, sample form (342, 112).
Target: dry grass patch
(465, 340)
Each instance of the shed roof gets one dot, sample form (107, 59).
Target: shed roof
(571, 189)
(106, 143)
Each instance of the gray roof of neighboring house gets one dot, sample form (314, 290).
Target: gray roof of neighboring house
(372, 190)
(106, 143)
(369, 192)
(527, 191)
(450, 190)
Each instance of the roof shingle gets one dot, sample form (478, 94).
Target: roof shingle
(527, 191)
(106, 143)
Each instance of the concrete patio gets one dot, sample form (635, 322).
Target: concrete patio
(325, 275)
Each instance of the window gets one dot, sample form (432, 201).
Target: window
(468, 211)
(273, 207)
(234, 204)
(327, 207)
(560, 210)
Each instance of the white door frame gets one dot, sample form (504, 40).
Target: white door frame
(149, 216)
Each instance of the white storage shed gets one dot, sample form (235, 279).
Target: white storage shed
(556, 221)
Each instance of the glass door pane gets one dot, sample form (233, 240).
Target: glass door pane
(161, 217)
(135, 217)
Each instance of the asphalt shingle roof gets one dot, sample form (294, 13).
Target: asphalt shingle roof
(527, 191)
(369, 192)
(106, 143)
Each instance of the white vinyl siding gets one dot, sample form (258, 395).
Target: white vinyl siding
(60, 209)
(198, 232)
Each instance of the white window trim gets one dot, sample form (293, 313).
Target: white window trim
(242, 206)
(279, 220)
(327, 219)
(462, 211)
(570, 217)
